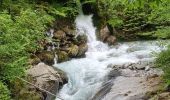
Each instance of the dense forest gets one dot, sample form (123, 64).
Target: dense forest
(24, 22)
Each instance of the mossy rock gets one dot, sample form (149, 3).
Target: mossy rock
(81, 39)
(69, 32)
(47, 57)
(59, 34)
(73, 51)
(62, 56)
(34, 61)
(82, 50)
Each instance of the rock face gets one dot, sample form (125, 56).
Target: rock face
(133, 81)
(105, 36)
(47, 78)
(132, 88)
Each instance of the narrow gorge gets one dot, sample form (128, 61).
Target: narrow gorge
(84, 50)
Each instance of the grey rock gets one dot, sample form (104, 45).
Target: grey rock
(47, 78)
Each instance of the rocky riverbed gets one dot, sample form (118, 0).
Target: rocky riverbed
(61, 44)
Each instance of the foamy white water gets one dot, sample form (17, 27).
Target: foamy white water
(86, 75)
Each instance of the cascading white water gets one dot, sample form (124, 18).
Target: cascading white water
(86, 75)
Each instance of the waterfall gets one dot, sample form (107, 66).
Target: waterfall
(87, 75)
(85, 26)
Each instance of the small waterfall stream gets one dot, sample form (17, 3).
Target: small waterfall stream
(87, 75)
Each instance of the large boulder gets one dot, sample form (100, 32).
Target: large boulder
(47, 78)
(59, 34)
(82, 50)
(104, 33)
(111, 40)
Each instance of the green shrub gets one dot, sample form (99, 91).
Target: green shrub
(134, 18)
(4, 92)
(18, 38)
(163, 61)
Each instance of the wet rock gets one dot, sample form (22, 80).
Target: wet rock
(104, 33)
(59, 34)
(48, 78)
(82, 50)
(113, 74)
(63, 76)
(82, 39)
(141, 65)
(47, 57)
(147, 68)
(105, 36)
(123, 66)
(111, 40)
(73, 51)
(106, 87)
(62, 56)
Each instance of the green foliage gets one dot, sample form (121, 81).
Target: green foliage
(4, 92)
(22, 27)
(163, 61)
(18, 37)
(161, 33)
(136, 17)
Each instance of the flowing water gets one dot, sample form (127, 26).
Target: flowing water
(87, 75)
